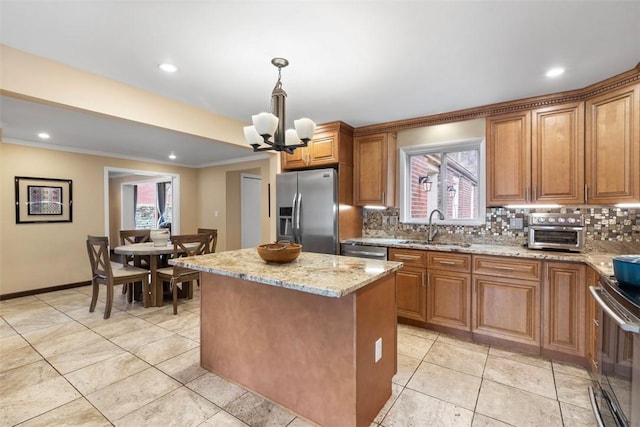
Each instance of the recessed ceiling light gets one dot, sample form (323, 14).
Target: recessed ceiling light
(172, 156)
(168, 68)
(555, 72)
(44, 135)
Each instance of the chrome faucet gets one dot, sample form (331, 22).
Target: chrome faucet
(433, 228)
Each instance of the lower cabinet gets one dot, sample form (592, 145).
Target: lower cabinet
(504, 304)
(563, 308)
(411, 281)
(449, 290)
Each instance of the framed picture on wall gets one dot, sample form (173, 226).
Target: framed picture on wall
(43, 200)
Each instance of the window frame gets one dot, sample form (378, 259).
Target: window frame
(404, 156)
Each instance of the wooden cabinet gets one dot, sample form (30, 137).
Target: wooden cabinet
(563, 308)
(613, 146)
(375, 169)
(411, 283)
(508, 139)
(593, 319)
(536, 156)
(506, 299)
(332, 143)
(449, 290)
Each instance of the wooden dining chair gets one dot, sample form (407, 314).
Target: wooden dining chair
(213, 238)
(183, 245)
(108, 273)
(128, 237)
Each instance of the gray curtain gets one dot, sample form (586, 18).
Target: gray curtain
(161, 188)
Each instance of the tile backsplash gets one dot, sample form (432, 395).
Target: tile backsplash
(609, 229)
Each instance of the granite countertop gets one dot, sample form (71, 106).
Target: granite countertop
(327, 275)
(601, 262)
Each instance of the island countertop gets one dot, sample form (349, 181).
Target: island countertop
(320, 274)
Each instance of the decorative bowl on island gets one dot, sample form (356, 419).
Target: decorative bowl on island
(280, 252)
(160, 237)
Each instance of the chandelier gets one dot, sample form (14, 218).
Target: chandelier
(268, 132)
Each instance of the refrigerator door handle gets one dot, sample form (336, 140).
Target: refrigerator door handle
(297, 206)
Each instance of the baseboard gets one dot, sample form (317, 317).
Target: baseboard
(43, 290)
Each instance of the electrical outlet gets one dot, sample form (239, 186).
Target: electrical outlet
(516, 223)
(393, 220)
(378, 350)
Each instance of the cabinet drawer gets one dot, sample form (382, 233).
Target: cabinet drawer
(448, 261)
(410, 258)
(518, 268)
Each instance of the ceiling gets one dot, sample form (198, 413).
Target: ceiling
(362, 62)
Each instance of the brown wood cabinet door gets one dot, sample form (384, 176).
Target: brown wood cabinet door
(564, 308)
(449, 299)
(508, 158)
(613, 146)
(374, 169)
(506, 308)
(412, 293)
(323, 150)
(295, 160)
(592, 324)
(557, 154)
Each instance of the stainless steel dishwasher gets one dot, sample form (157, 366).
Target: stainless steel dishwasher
(363, 251)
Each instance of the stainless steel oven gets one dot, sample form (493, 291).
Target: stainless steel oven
(556, 231)
(615, 395)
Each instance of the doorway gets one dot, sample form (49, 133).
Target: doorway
(250, 200)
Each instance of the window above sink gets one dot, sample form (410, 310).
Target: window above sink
(447, 176)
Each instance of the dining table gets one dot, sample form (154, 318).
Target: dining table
(154, 252)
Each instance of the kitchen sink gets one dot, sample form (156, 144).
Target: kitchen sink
(441, 244)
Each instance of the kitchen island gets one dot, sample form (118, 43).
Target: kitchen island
(317, 336)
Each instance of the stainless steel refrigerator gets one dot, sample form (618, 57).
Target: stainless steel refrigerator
(307, 209)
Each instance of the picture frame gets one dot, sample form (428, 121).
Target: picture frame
(43, 200)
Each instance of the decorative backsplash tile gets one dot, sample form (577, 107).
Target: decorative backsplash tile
(608, 228)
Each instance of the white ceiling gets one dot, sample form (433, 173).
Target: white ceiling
(361, 62)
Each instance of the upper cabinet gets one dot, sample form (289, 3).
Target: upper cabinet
(536, 156)
(332, 143)
(613, 146)
(375, 169)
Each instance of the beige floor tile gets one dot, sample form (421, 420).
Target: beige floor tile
(181, 322)
(54, 332)
(569, 369)
(32, 320)
(538, 361)
(256, 411)
(141, 337)
(518, 407)
(125, 396)
(520, 375)
(68, 302)
(181, 407)
(406, 368)
(161, 315)
(458, 342)
(67, 343)
(574, 416)
(99, 375)
(12, 307)
(413, 345)
(6, 330)
(223, 419)
(184, 367)
(573, 390)
(27, 397)
(77, 413)
(164, 348)
(216, 389)
(445, 384)
(16, 352)
(480, 420)
(416, 409)
(395, 392)
(192, 333)
(84, 356)
(298, 422)
(420, 332)
(457, 358)
(119, 325)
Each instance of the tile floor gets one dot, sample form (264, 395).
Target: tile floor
(61, 365)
